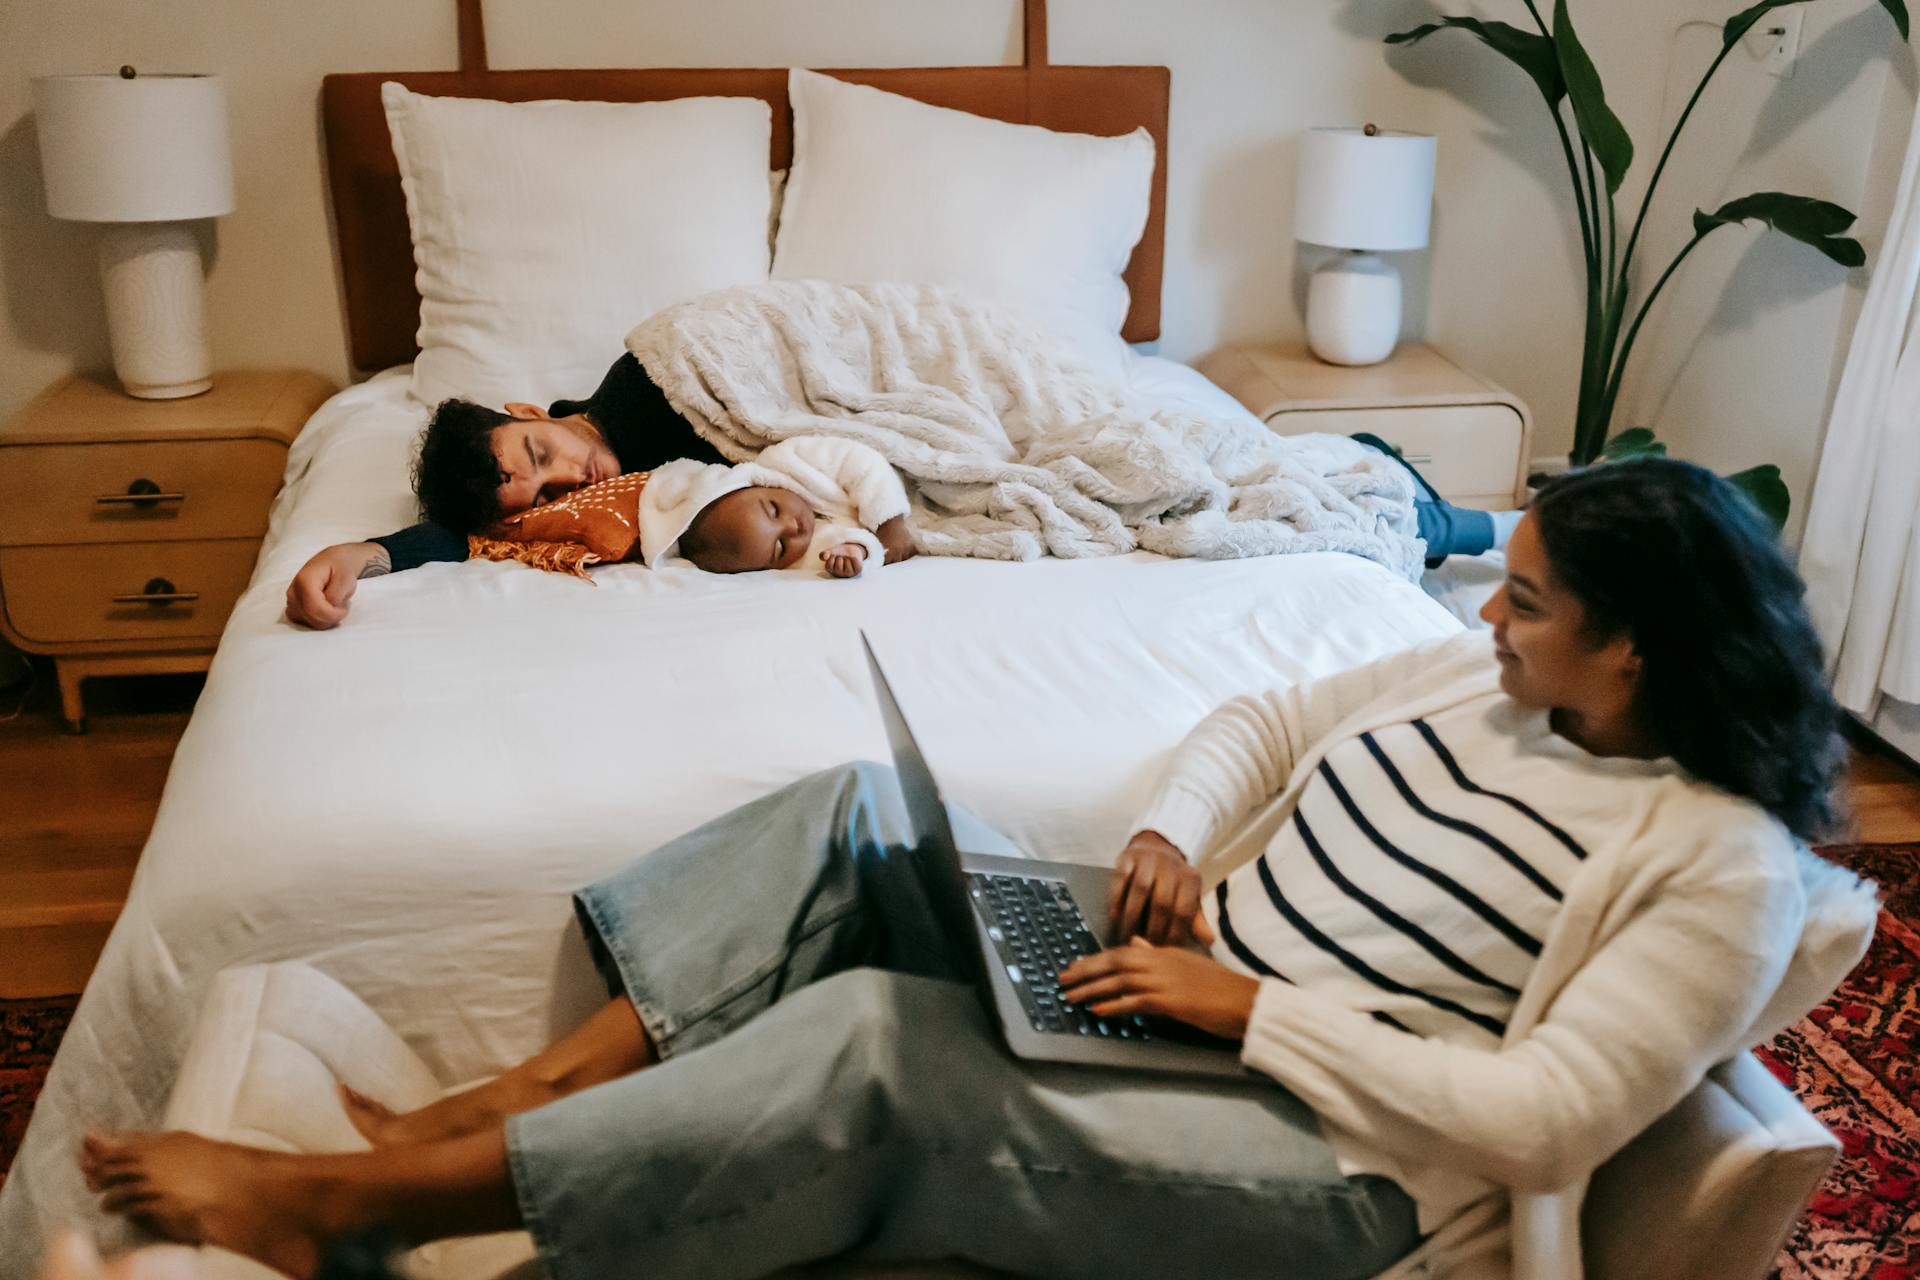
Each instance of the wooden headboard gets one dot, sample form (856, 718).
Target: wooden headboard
(370, 213)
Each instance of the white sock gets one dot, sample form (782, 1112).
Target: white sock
(1504, 523)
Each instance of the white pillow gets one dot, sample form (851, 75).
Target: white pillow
(544, 231)
(887, 188)
(776, 193)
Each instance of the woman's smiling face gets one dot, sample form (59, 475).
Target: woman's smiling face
(1549, 657)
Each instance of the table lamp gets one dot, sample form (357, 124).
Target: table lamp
(1367, 191)
(144, 154)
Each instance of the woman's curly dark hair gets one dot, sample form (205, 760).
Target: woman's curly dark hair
(456, 476)
(1733, 683)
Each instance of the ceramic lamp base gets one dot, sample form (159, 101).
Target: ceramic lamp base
(156, 309)
(1353, 310)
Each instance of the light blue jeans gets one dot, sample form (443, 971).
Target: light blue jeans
(827, 1088)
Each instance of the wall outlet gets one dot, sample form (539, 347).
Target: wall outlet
(1781, 29)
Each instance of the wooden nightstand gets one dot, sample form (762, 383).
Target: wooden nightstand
(128, 527)
(1469, 438)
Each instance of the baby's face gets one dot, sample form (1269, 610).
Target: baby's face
(749, 529)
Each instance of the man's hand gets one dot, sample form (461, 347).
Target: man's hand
(318, 595)
(844, 561)
(897, 539)
(1156, 894)
(1169, 982)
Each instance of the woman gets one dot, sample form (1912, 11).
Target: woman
(1495, 912)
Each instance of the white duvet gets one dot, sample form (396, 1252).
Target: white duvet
(406, 802)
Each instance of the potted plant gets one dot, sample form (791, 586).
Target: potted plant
(1599, 152)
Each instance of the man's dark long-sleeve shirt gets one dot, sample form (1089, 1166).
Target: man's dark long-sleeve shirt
(640, 427)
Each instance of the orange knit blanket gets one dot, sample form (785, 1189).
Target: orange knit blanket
(599, 524)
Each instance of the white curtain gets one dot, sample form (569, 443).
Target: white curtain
(1860, 554)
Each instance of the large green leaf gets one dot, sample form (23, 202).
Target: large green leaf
(1741, 23)
(1898, 8)
(1811, 222)
(1532, 53)
(1766, 490)
(1761, 485)
(1635, 442)
(1603, 132)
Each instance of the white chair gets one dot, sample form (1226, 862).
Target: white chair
(1709, 1192)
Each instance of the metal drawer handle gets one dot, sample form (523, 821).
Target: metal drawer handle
(158, 591)
(1416, 459)
(141, 493)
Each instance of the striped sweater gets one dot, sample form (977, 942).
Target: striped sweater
(1418, 889)
(1673, 943)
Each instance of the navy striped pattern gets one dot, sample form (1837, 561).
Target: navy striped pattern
(1432, 739)
(1409, 884)
(1253, 962)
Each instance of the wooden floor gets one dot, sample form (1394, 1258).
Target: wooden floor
(1885, 796)
(75, 810)
(74, 813)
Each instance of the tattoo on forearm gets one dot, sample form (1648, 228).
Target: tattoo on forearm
(379, 564)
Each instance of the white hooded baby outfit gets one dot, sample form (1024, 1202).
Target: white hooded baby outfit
(850, 487)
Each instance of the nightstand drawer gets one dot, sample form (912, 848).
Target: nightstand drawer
(64, 493)
(1470, 453)
(141, 591)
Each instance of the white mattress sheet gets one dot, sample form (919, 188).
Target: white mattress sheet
(406, 802)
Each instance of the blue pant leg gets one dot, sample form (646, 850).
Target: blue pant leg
(1452, 531)
(877, 1114)
(1446, 529)
(713, 927)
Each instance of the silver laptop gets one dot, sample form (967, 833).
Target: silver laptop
(1014, 923)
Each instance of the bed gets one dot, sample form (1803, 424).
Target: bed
(406, 802)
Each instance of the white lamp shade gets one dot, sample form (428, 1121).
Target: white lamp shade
(1364, 192)
(148, 149)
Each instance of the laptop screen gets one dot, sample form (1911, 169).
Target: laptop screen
(936, 859)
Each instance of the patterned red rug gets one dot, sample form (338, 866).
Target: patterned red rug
(30, 1030)
(1852, 1061)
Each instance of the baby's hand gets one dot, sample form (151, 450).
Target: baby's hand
(896, 539)
(844, 561)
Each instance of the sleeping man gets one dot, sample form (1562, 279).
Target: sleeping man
(477, 465)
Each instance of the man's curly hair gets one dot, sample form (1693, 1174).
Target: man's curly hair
(456, 475)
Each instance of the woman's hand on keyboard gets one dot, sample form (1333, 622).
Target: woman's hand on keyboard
(1156, 893)
(1166, 982)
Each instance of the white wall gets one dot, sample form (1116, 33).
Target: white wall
(1247, 75)
(1738, 363)
(1499, 289)
(273, 294)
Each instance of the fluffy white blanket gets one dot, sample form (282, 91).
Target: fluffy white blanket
(1014, 452)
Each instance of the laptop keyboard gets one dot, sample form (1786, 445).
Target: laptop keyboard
(1038, 930)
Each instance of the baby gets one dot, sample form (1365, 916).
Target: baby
(813, 502)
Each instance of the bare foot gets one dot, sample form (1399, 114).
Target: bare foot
(610, 1044)
(378, 1123)
(450, 1117)
(196, 1191)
